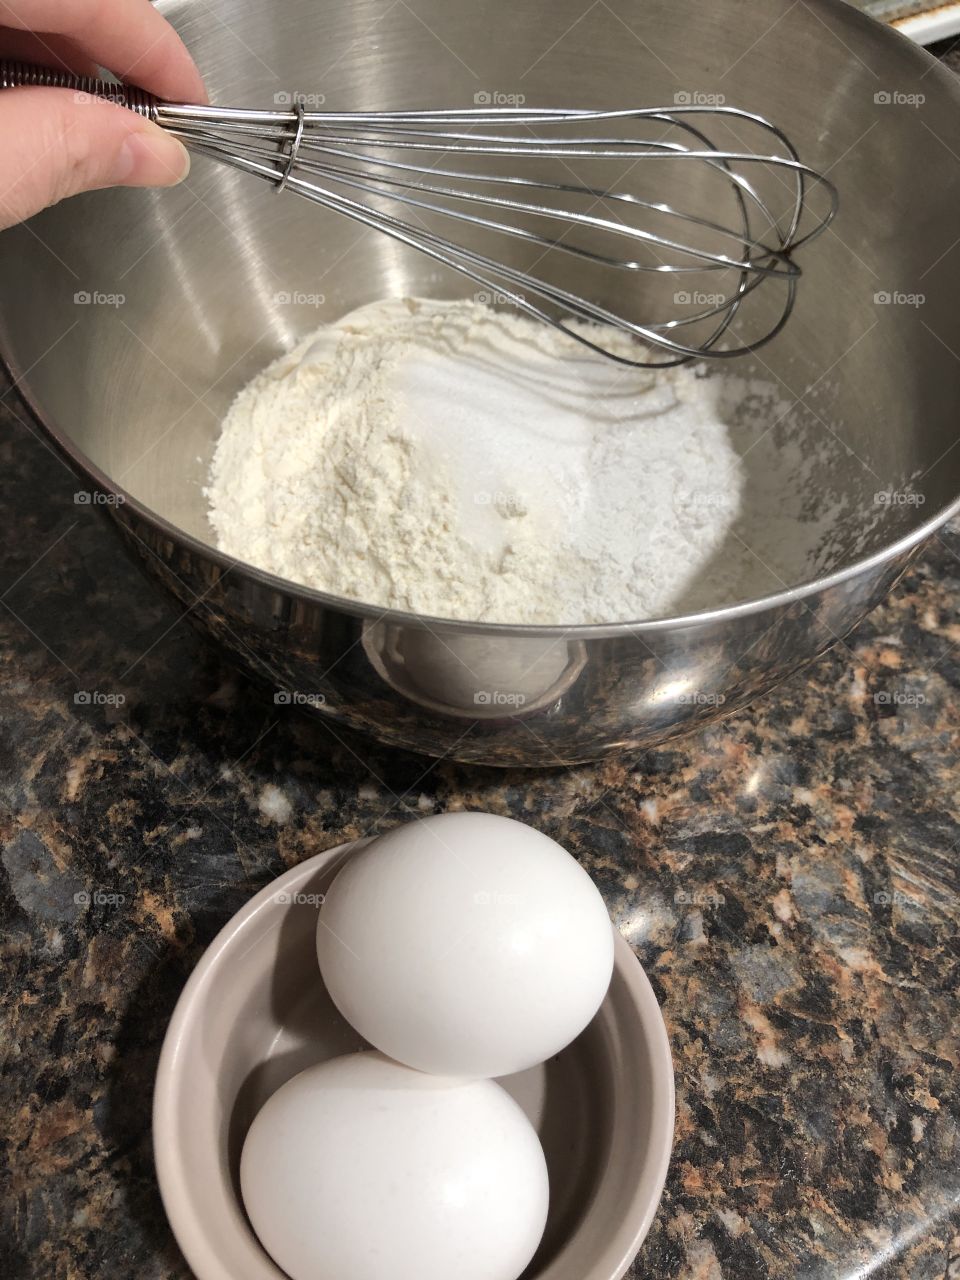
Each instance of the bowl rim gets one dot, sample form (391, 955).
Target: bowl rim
(621, 1246)
(399, 617)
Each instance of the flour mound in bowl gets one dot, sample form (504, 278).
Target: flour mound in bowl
(458, 462)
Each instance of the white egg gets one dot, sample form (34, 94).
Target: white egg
(361, 1168)
(465, 944)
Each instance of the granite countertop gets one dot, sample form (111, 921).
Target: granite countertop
(789, 879)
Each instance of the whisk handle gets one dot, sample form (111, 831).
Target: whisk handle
(17, 75)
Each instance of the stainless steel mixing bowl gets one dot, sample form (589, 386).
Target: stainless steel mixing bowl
(220, 275)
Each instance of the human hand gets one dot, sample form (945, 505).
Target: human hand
(54, 145)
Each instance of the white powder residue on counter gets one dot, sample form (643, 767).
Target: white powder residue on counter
(458, 462)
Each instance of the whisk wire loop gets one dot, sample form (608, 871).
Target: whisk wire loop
(294, 150)
(510, 176)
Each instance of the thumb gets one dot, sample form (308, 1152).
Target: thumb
(55, 143)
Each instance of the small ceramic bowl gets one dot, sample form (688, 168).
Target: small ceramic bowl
(255, 1012)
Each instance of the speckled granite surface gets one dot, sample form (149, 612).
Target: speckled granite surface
(788, 878)
(891, 10)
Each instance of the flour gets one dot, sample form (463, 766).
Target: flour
(453, 461)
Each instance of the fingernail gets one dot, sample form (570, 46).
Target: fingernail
(151, 158)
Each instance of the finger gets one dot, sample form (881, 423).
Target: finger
(56, 146)
(128, 36)
(46, 50)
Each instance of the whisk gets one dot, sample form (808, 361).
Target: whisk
(538, 180)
